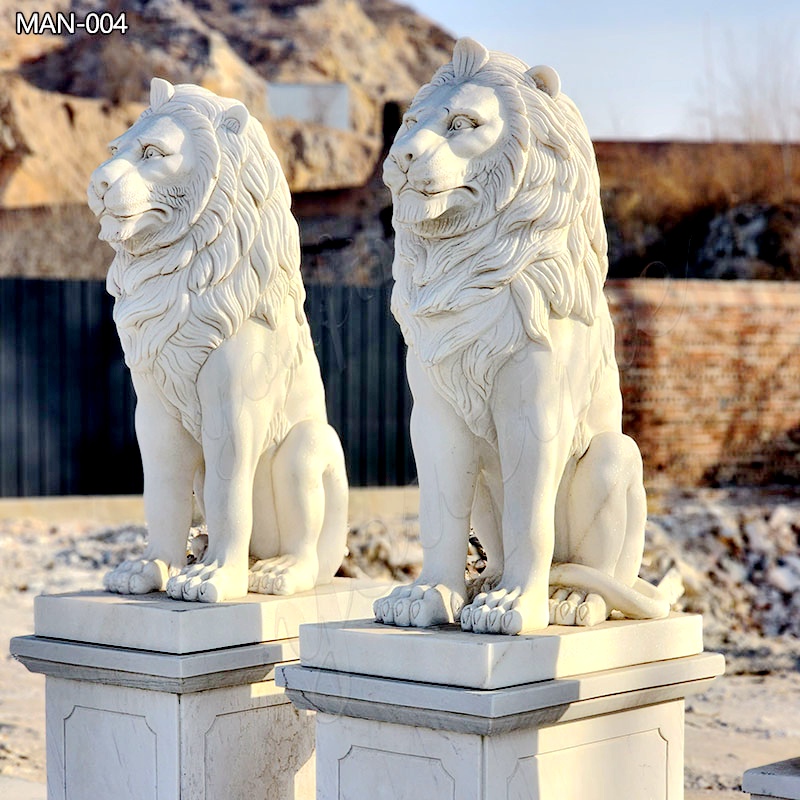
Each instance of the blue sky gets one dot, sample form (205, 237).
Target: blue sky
(692, 69)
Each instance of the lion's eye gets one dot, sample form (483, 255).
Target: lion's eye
(462, 123)
(151, 151)
(113, 149)
(409, 122)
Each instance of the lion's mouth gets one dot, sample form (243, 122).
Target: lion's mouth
(133, 215)
(431, 193)
(116, 227)
(414, 206)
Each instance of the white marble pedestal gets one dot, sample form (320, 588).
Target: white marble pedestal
(779, 781)
(568, 714)
(152, 699)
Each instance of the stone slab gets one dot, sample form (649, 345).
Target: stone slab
(450, 657)
(140, 669)
(157, 623)
(780, 780)
(487, 711)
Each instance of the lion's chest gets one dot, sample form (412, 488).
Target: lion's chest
(462, 349)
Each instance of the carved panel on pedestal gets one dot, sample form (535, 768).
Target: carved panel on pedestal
(583, 772)
(106, 753)
(245, 758)
(393, 776)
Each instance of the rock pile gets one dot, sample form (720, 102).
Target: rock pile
(738, 552)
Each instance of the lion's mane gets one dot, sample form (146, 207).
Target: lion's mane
(467, 302)
(238, 259)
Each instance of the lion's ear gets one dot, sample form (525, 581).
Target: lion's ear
(546, 79)
(468, 57)
(235, 118)
(161, 92)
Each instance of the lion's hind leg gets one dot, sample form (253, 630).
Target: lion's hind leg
(310, 494)
(600, 538)
(606, 509)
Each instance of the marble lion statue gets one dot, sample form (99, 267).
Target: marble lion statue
(500, 259)
(209, 309)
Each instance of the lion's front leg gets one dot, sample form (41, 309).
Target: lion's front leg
(170, 457)
(447, 465)
(234, 420)
(534, 435)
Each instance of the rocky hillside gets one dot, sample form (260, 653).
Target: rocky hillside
(89, 88)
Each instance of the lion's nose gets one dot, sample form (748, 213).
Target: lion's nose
(100, 181)
(105, 175)
(406, 157)
(410, 148)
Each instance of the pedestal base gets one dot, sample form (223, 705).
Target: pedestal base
(147, 697)
(779, 781)
(572, 732)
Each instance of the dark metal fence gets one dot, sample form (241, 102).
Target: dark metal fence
(66, 401)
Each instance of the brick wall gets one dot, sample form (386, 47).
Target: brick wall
(710, 374)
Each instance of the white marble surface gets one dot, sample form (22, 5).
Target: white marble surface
(235, 742)
(593, 733)
(149, 697)
(157, 623)
(487, 711)
(628, 755)
(500, 260)
(452, 657)
(165, 672)
(780, 780)
(230, 406)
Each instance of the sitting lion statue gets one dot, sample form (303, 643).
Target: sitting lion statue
(209, 309)
(500, 259)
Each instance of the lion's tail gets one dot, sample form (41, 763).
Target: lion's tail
(640, 601)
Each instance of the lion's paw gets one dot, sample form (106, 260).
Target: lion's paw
(419, 605)
(208, 583)
(576, 607)
(284, 575)
(506, 611)
(138, 576)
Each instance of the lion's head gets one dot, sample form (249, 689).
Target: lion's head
(164, 168)
(497, 216)
(195, 203)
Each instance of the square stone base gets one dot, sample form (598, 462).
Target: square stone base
(628, 754)
(601, 718)
(780, 781)
(148, 697)
(244, 742)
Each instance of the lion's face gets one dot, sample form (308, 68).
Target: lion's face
(437, 167)
(146, 195)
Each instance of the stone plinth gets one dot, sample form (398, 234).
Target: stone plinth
(595, 714)
(148, 697)
(779, 781)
